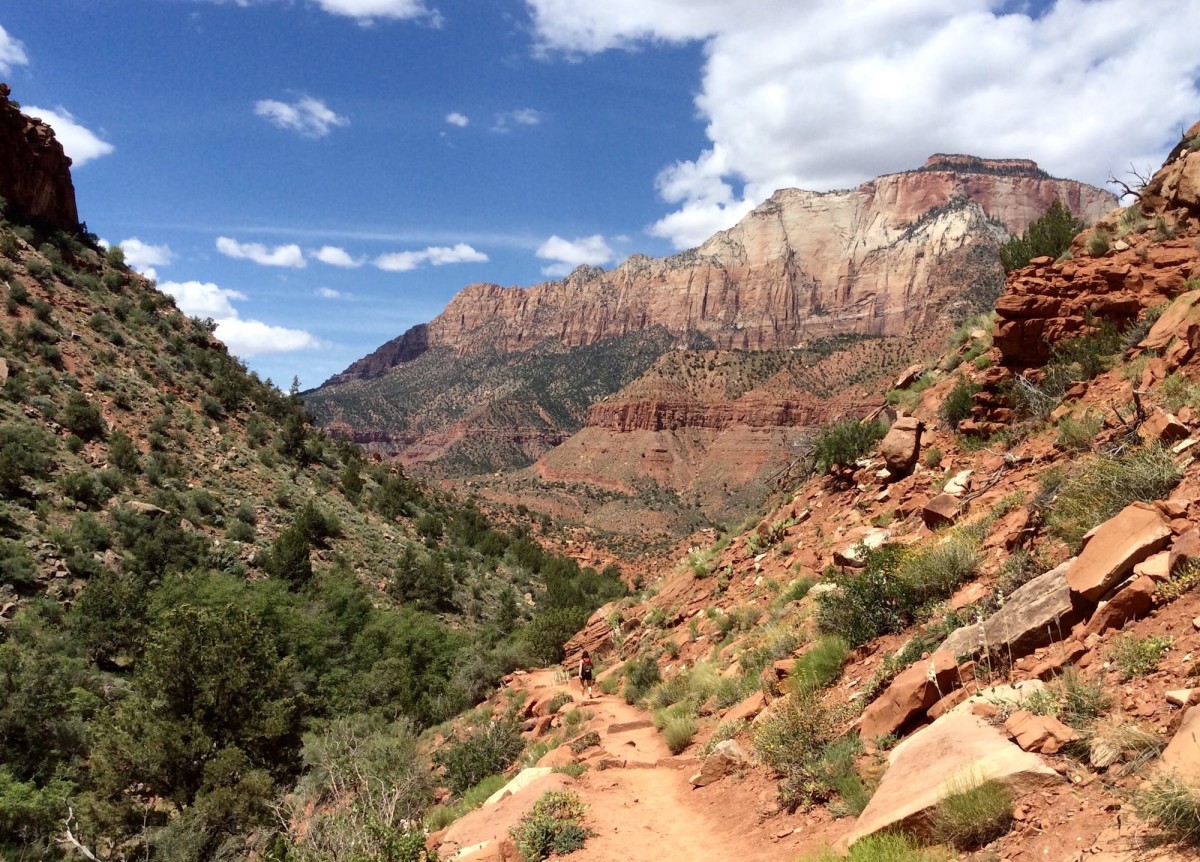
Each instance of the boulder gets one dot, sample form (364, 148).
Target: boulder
(1163, 427)
(940, 511)
(853, 556)
(1036, 614)
(1000, 697)
(747, 709)
(1120, 543)
(556, 757)
(910, 695)
(523, 779)
(959, 483)
(956, 752)
(147, 509)
(727, 757)
(908, 376)
(1182, 754)
(1183, 696)
(1131, 603)
(1184, 549)
(902, 445)
(1157, 567)
(1041, 733)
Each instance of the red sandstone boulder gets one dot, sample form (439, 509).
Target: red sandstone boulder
(1040, 733)
(1182, 754)
(909, 696)
(940, 511)
(1184, 549)
(1163, 427)
(1117, 545)
(902, 445)
(1131, 603)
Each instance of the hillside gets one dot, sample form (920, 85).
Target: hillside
(194, 582)
(975, 638)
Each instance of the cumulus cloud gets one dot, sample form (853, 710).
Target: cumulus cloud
(281, 255)
(12, 52)
(508, 120)
(144, 257)
(336, 256)
(406, 261)
(590, 250)
(454, 118)
(306, 116)
(366, 11)
(828, 96)
(242, 337)
(330, 293)
(81, 144)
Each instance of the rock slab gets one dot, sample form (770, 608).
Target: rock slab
(956, 752)
(910, 695)
(727, 757)
(1120, 543)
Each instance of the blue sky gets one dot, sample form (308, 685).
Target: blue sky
(319, 175)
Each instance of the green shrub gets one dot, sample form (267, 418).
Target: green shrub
(123, 453)
(1082, 699)
(1101, 486)
(959, 401)
(844, 442)
(609, 684)
(641, 674)
(554, 825)
(678, 732)
(1099, 243)
(1171, 804)
(486, 751)
(16, 564)
(933, 457)
(559, 701)
(591, 739)
(821, 665)
(1078, 436)
(82, 417)
(1176, 392)
(882, 847)
(1050, 235)
(974, 814)
(1136, 656)
(791, 743)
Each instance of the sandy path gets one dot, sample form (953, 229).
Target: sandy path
(647, 812)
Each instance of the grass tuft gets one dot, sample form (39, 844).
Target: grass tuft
(1136, 656)
(1173, 806)
(974, 814)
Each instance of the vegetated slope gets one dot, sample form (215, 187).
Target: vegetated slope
(1029, 521)
(195, 585)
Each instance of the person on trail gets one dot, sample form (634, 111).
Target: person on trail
(585, 673)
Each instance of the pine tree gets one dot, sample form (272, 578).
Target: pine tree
(1049, 235)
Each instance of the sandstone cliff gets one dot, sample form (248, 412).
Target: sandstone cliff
(870, 260)
(35, 173)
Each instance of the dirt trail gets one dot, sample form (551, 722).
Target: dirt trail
(647, 811)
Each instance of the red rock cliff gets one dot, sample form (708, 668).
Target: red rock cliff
(878, 260)
(35, 173)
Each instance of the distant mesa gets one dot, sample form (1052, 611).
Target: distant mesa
(974, 164)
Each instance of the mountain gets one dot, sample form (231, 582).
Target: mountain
(550, 377)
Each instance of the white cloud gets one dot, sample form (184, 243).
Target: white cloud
(80, 143)
(203, 299)
(406, 261)
(366, 10)
(144, 257)
(307, 116)
(508, 120)
(454, 118)
(829, 95)
(336, 256)
(590, 250)
(12, 53)
(330, 293)
(242, 337)
(254, 338)
(280, 255)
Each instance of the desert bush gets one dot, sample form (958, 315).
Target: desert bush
(1099, 243)
(485, 751)
(932, 458)
(1172, 804)
(553, 826)
(17, 568)
(559, 701)
(1050, 235)
(641, 674)
(957, 405)
(796, 590)
(1071, 361)
(82, 417)
(791, 743)
(844, 442)
(820, 666)
(1136, 656)
(678, 732)
(591, 739)
(1082, 699)
(609, 684)
(1176, 392)
(1077, 435)
(974, 814)
(1103, 485)
(441, 816)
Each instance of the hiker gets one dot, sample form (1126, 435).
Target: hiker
(585, 673)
